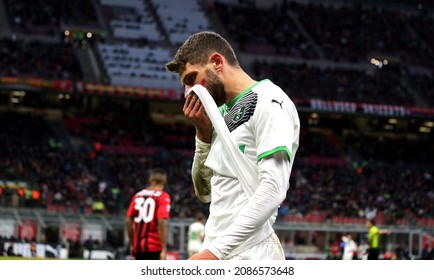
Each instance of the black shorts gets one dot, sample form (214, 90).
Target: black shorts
(373, 253)
(148, 256)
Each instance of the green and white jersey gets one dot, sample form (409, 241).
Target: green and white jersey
(263, 121)
(196, 233)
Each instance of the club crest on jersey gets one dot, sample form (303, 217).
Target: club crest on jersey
(239, 115)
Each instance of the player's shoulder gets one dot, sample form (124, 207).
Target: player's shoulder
(165, 196)
(142, 192)
(267, 91)
(150, 192)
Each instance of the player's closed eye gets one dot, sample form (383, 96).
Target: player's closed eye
(190, 79)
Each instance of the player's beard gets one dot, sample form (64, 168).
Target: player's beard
(215, 87)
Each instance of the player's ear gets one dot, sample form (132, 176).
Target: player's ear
(217, 61)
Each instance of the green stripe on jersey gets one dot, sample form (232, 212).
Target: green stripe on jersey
(242, 148)
(275, 150)
(235, 100)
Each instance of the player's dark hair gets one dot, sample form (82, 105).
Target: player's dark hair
(158, 175)
(199, 216)
(198, 47)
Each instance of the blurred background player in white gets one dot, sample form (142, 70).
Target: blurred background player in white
(362, 250)
(264, 123)
(196, 234)
(350, 247)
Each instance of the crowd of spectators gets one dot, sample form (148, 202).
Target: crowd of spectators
(89, 178)
(398, 39)
(398, 190)
(37, 59)
(339, 34)
(47, 17)
(325, 179)
(265, 31)
(344, 32)
(355, 33)
(423, 84)
(122, 144)
(32, 153)
(382, 86)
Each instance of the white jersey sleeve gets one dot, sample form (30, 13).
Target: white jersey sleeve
(201, 175)
(274, 182)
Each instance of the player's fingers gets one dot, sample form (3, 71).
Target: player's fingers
(188, 101)
(201, 111)
(192, 106)
(197, 104)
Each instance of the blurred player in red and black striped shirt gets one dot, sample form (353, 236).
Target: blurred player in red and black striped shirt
(147, 218)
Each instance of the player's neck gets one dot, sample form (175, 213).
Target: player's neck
(237, 82)
(155, 187)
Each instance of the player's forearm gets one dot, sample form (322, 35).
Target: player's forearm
(162, 233)
(130, 231)
(201, 175)
(262, 205)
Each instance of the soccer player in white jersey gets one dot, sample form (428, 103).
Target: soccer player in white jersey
(264, 123)
(196, 235)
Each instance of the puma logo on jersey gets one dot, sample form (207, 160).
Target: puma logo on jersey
(275, 101)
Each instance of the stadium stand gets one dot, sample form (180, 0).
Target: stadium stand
(28, 59)
(130, 20)
(181, 19)
(137, 66)
(46, 18)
